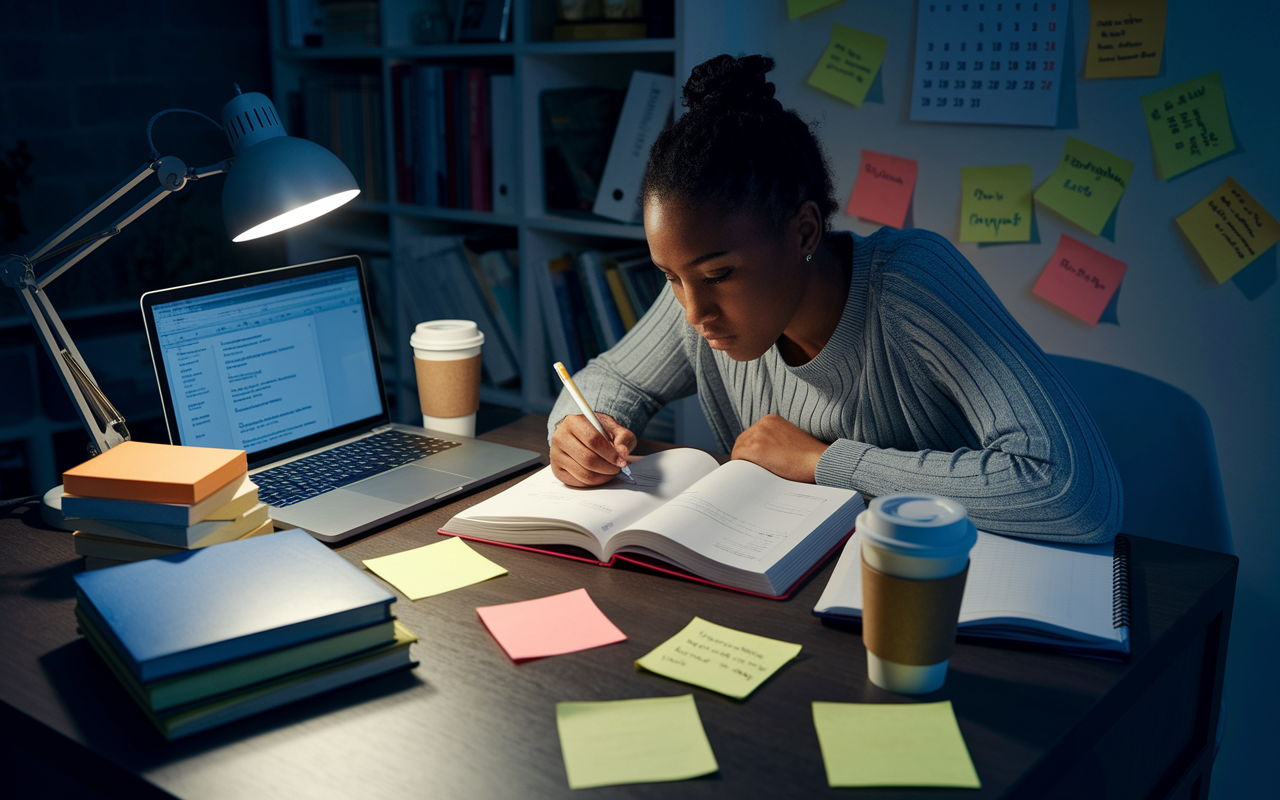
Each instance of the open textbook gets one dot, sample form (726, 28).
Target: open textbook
(736, 525)
(1066, 598)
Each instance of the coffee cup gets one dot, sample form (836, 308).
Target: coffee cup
(915, 557)
(446, 358)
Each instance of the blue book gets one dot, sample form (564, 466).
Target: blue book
(170, 615)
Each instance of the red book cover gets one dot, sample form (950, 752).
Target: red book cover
(478, 148)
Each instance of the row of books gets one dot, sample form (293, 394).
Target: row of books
(591, 299)
(332, 23)
(344, 114)
(469, 277)
(140, 500)
(454, 137)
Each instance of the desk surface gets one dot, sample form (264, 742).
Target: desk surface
(467, 722)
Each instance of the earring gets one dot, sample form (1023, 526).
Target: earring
(808, 258)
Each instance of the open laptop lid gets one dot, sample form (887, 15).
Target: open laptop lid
(274, 363)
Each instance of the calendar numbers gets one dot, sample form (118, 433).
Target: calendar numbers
(982, 41)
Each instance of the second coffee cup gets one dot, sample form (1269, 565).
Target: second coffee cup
(446, 358)
(915, 557)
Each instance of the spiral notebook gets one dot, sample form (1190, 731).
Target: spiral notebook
(1066, 598)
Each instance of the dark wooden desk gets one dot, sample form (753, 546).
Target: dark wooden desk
(468, 723)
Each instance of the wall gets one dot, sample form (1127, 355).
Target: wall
(1218, 343)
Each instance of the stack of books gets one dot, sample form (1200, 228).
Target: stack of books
(139, 500)
(209, 637)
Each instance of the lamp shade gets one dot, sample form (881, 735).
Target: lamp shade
(276, 181)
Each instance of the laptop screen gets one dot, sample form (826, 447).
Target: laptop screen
(265, 361)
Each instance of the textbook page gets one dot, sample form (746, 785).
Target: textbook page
(541, 502)
(742, 516)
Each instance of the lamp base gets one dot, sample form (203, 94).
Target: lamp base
(51, 509)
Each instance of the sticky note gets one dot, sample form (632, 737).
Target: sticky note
(995, 204)
(718, 658)
(1229, 229)
(800, 8)
(882, 192)
(648, 740)
(550, 626)
(1087, 185)
(1188, 124)
(849, 65)
(1126, 38)
(1080, 280)
(434, 568)
(916, 744)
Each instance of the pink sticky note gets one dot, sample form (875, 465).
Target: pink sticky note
(883, 190)
(1080, 280)
(550, 626)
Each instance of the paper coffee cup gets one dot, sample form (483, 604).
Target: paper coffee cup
(915, 557)
(446, 358)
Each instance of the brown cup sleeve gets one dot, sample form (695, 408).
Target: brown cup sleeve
(910, 621)
(448, 388)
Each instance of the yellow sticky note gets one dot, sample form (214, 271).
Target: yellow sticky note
(1188, 124)
(849, 65)
(995, 204)
(718, 658)
(434, 568)
(893, 745)
(648, 740)
(1087, 185)
(1126, 38)
(1229, 229)
(800, 8)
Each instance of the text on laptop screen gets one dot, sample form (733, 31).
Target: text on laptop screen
(266, 365)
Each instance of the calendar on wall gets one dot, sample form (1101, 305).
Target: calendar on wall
(989, 63)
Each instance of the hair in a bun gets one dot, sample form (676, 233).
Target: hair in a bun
(737, 149)
(726, 83)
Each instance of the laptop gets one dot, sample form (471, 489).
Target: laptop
(282, 364)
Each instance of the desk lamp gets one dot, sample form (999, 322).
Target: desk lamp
(274, 182)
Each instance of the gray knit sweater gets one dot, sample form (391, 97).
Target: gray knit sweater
(927, 385)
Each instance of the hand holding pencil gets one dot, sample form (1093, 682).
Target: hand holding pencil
(590, 449)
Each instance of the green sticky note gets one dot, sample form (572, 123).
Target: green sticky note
(1087, 185)
(718, 658)
(1188, 124)
(849, 65)
(995, 204)
(649, 740)
(434, 568)
(800, 8)
(893, 745)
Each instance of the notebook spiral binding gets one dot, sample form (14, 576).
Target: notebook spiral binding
(1120, 584)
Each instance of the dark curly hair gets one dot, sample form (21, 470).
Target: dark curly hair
(737, 149)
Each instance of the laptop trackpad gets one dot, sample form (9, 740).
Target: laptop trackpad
(409, 484)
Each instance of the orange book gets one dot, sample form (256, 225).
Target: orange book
(156, 473)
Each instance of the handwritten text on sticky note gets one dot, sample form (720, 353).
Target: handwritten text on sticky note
(1229, 229)
(849, 64)
(1126, 38)
(1188, 124)
(718, 658)
(995, 204)
(1080, 280)
(882, 192)
(1087, 185)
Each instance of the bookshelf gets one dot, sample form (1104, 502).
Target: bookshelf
(378, 228)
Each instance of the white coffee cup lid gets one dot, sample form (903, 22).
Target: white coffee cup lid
(920, 525)
(446, 334)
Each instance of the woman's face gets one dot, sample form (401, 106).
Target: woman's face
(740, 283)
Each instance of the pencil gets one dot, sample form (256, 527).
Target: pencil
(587, 412)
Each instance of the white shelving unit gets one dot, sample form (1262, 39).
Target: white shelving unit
(537, 63)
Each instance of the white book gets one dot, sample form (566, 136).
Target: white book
(736, 525)
(502, 125)
(645, 112)
(1069, 598)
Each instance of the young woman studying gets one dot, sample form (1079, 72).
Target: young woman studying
(881, 363)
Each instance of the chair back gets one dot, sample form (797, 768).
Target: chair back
(1162, 445)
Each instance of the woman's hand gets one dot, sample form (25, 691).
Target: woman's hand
(781, 448)
(580, 456)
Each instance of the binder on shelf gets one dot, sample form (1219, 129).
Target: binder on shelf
(577, 126)
(645, 113)
(502, 127)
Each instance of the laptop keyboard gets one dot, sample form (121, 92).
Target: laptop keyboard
(307, 477)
